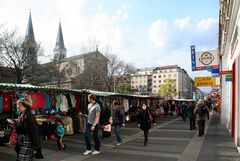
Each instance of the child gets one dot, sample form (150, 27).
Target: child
(59, 135)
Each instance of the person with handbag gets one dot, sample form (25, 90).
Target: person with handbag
(106, 123)
(28, 144)
(144, 121)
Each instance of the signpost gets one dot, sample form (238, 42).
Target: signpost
(204, 81)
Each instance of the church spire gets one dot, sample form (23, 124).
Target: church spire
(29, 32)
(59, 50)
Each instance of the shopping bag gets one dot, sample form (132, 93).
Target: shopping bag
(107, 128)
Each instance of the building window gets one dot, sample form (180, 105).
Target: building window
(169, 75)
(164, 76)
(132, 86)
(154, 91)
(160, 81)
(145, 86)
(170, 70)
(175, 75)
(132, 82)
(159, 76)
(154, 81)
(154, 76)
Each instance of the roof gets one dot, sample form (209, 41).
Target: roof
(83, 56)
(60, 41)
(167, 67)
(98, 93)
(30, 32)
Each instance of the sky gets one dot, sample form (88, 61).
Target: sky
(146, 33)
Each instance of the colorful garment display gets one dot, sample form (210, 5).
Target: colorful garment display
(48, 101)
(1, 103)
(64, 103)
(6, 101)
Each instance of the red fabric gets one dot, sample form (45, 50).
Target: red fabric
(13, 137)
(38, 99)
(6, 101)
(53, 98)
(41, 99)
(78, 101)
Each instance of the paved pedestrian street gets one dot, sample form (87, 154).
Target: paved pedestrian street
(169, 140)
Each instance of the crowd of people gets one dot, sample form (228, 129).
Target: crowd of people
(28, 144)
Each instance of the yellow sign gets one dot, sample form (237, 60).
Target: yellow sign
(205, 81)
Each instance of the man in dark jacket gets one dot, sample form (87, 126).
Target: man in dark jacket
(192, 116)
(118, 121)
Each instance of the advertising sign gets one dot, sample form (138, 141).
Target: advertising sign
(204, 60)
(205, 81)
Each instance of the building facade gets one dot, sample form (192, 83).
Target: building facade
(150, 79)
(141, 81)
(229, 52)
(183, 83)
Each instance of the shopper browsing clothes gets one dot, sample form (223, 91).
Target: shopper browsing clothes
(202, 111)
(28, 141)
(118, 121)
(92, 125)
(144, 122)
(59, 135)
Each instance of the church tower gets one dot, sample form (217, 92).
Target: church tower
(59, 50)
(29, 37)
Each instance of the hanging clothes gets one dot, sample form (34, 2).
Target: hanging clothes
(6, 101)
(54, 100)
(73, 100)
(58, 101)
(64, 103)
(1, 103)
(48, 101)
(78, 101)
(68, 100)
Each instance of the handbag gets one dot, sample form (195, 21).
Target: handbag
(150, 117)
(107, 128)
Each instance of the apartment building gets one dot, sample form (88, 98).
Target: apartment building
(150, 79)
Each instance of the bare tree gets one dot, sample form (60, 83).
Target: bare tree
(17, 54)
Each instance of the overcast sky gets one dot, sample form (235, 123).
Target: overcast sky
(147, 33)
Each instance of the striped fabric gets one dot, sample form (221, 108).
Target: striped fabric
(25, 152)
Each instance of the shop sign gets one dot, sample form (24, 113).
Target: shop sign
(225, 72)
(204, 60)
(205, 81)
(228, 78)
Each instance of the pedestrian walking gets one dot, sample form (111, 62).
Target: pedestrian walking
(184, 111)
(28, 144)
(106, 123)
(192, 116)
(144, 121)
(59, 133)
(202, 111)
(118, 121)
(92, 125)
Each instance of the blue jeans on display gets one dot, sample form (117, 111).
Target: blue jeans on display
(117, 128)
(95, 137)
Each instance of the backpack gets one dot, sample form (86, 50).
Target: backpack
(202, 110)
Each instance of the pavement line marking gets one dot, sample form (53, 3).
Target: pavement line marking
(176, 139)
(193, 149)
(154, 128)
(147, 153)
(172, 130)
